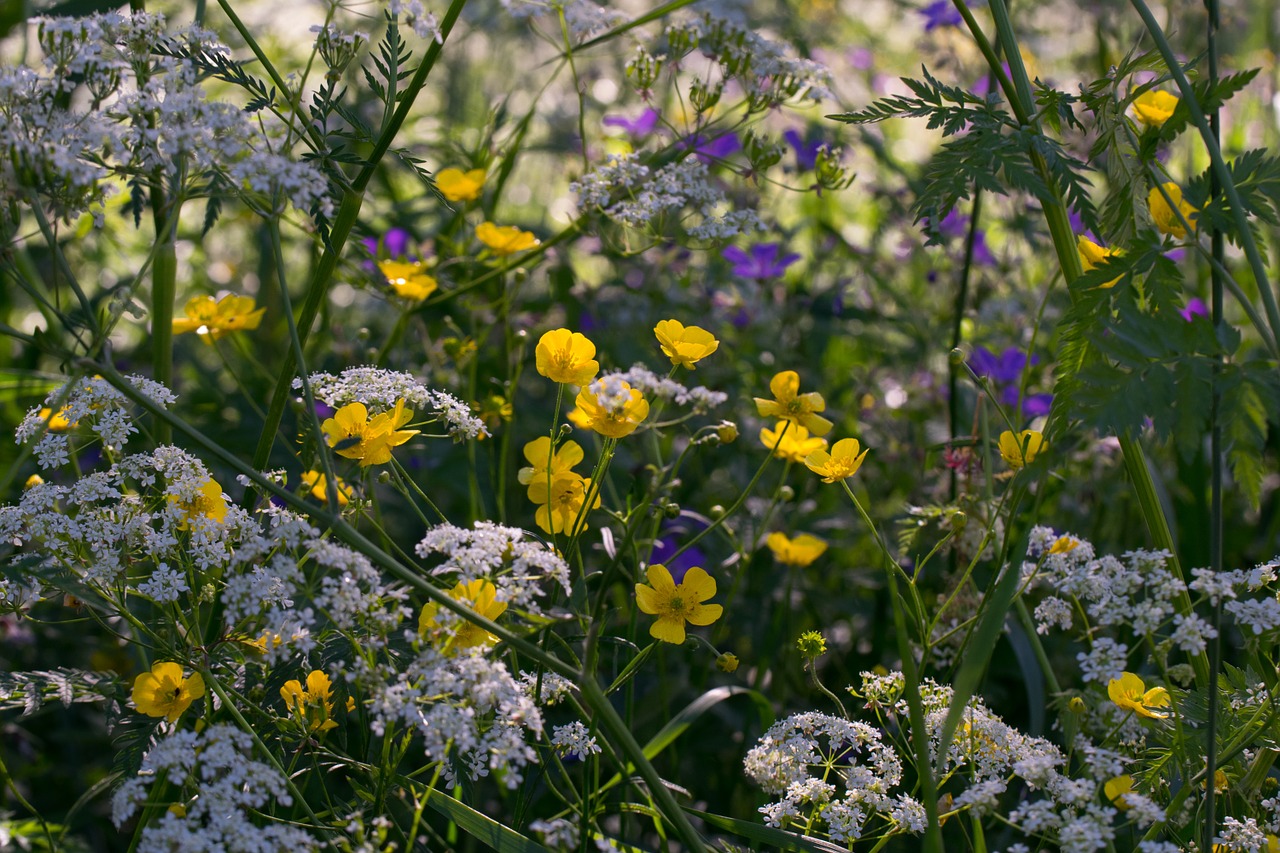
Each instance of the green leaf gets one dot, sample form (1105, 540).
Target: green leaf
(779, 838)
(486, 830)
(1245, 402)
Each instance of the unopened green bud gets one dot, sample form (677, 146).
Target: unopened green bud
(716, 511)
(812, 645)
(786, 493)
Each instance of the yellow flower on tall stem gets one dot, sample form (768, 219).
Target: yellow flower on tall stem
(1092, 256)
(408, 280)
(56, 421)
(675, 604)
(479, 596)
(208, 504)
(314, 704)
(789, 404)
(164, 692)
(505, 239)
(317, 486)
(684, 345)
(1115, 789)
(842, 462)
(612, 407)
(354, 435)
(1162, 214)
(560, 502)
(1154, 107)
(796, 443)
(566, 357)
(457, 185)
(1022, 449)
(1130, 693)
(800, 551)
(537, 451)
(211, 319)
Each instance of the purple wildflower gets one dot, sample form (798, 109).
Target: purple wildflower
(1035, 405)
(396, 243)
(1004, 368)
(806, 150)
(714, 149)
(1195, 308)
(672, 535)
(762, 263)
(638, 127)
(940, 13)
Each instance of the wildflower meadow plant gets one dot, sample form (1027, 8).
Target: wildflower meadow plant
(563, 426)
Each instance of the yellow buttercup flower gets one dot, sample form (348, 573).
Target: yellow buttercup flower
(1021, 449)
(479, 596)
(1092, 256)
(1162, 214)
(565, 457)
(457, 185)
(55, 421)
(789, 404)
(684, 345)
(354, 435)
(796, 444)
(560, 501)
(33, 481)
(800, 551)
(409, 280)
(317, 486)
(1116, 788)
(314, 704)
(1064, 545)
(612, 407)
(164, 692)
(842, 462)
(209, 504)
(1154, 107)
(566, 357)
(505, 239)
(674, 604)
(1130, 693)
(211, 319)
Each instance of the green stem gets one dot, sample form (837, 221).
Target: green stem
(738, 501)
(344, 221)
(1064, 245)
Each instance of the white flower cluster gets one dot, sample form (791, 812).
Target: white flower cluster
(219, 787)
(764, 68)
(147, 112)
(516, 565)
(87, 402)
(584, 18)
(651, 385)
(467, 708)
(379, 390)
(1139, 592)
(990, 754)
(574, 740)
(424, 23)
(627, 192)
(797, 755)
